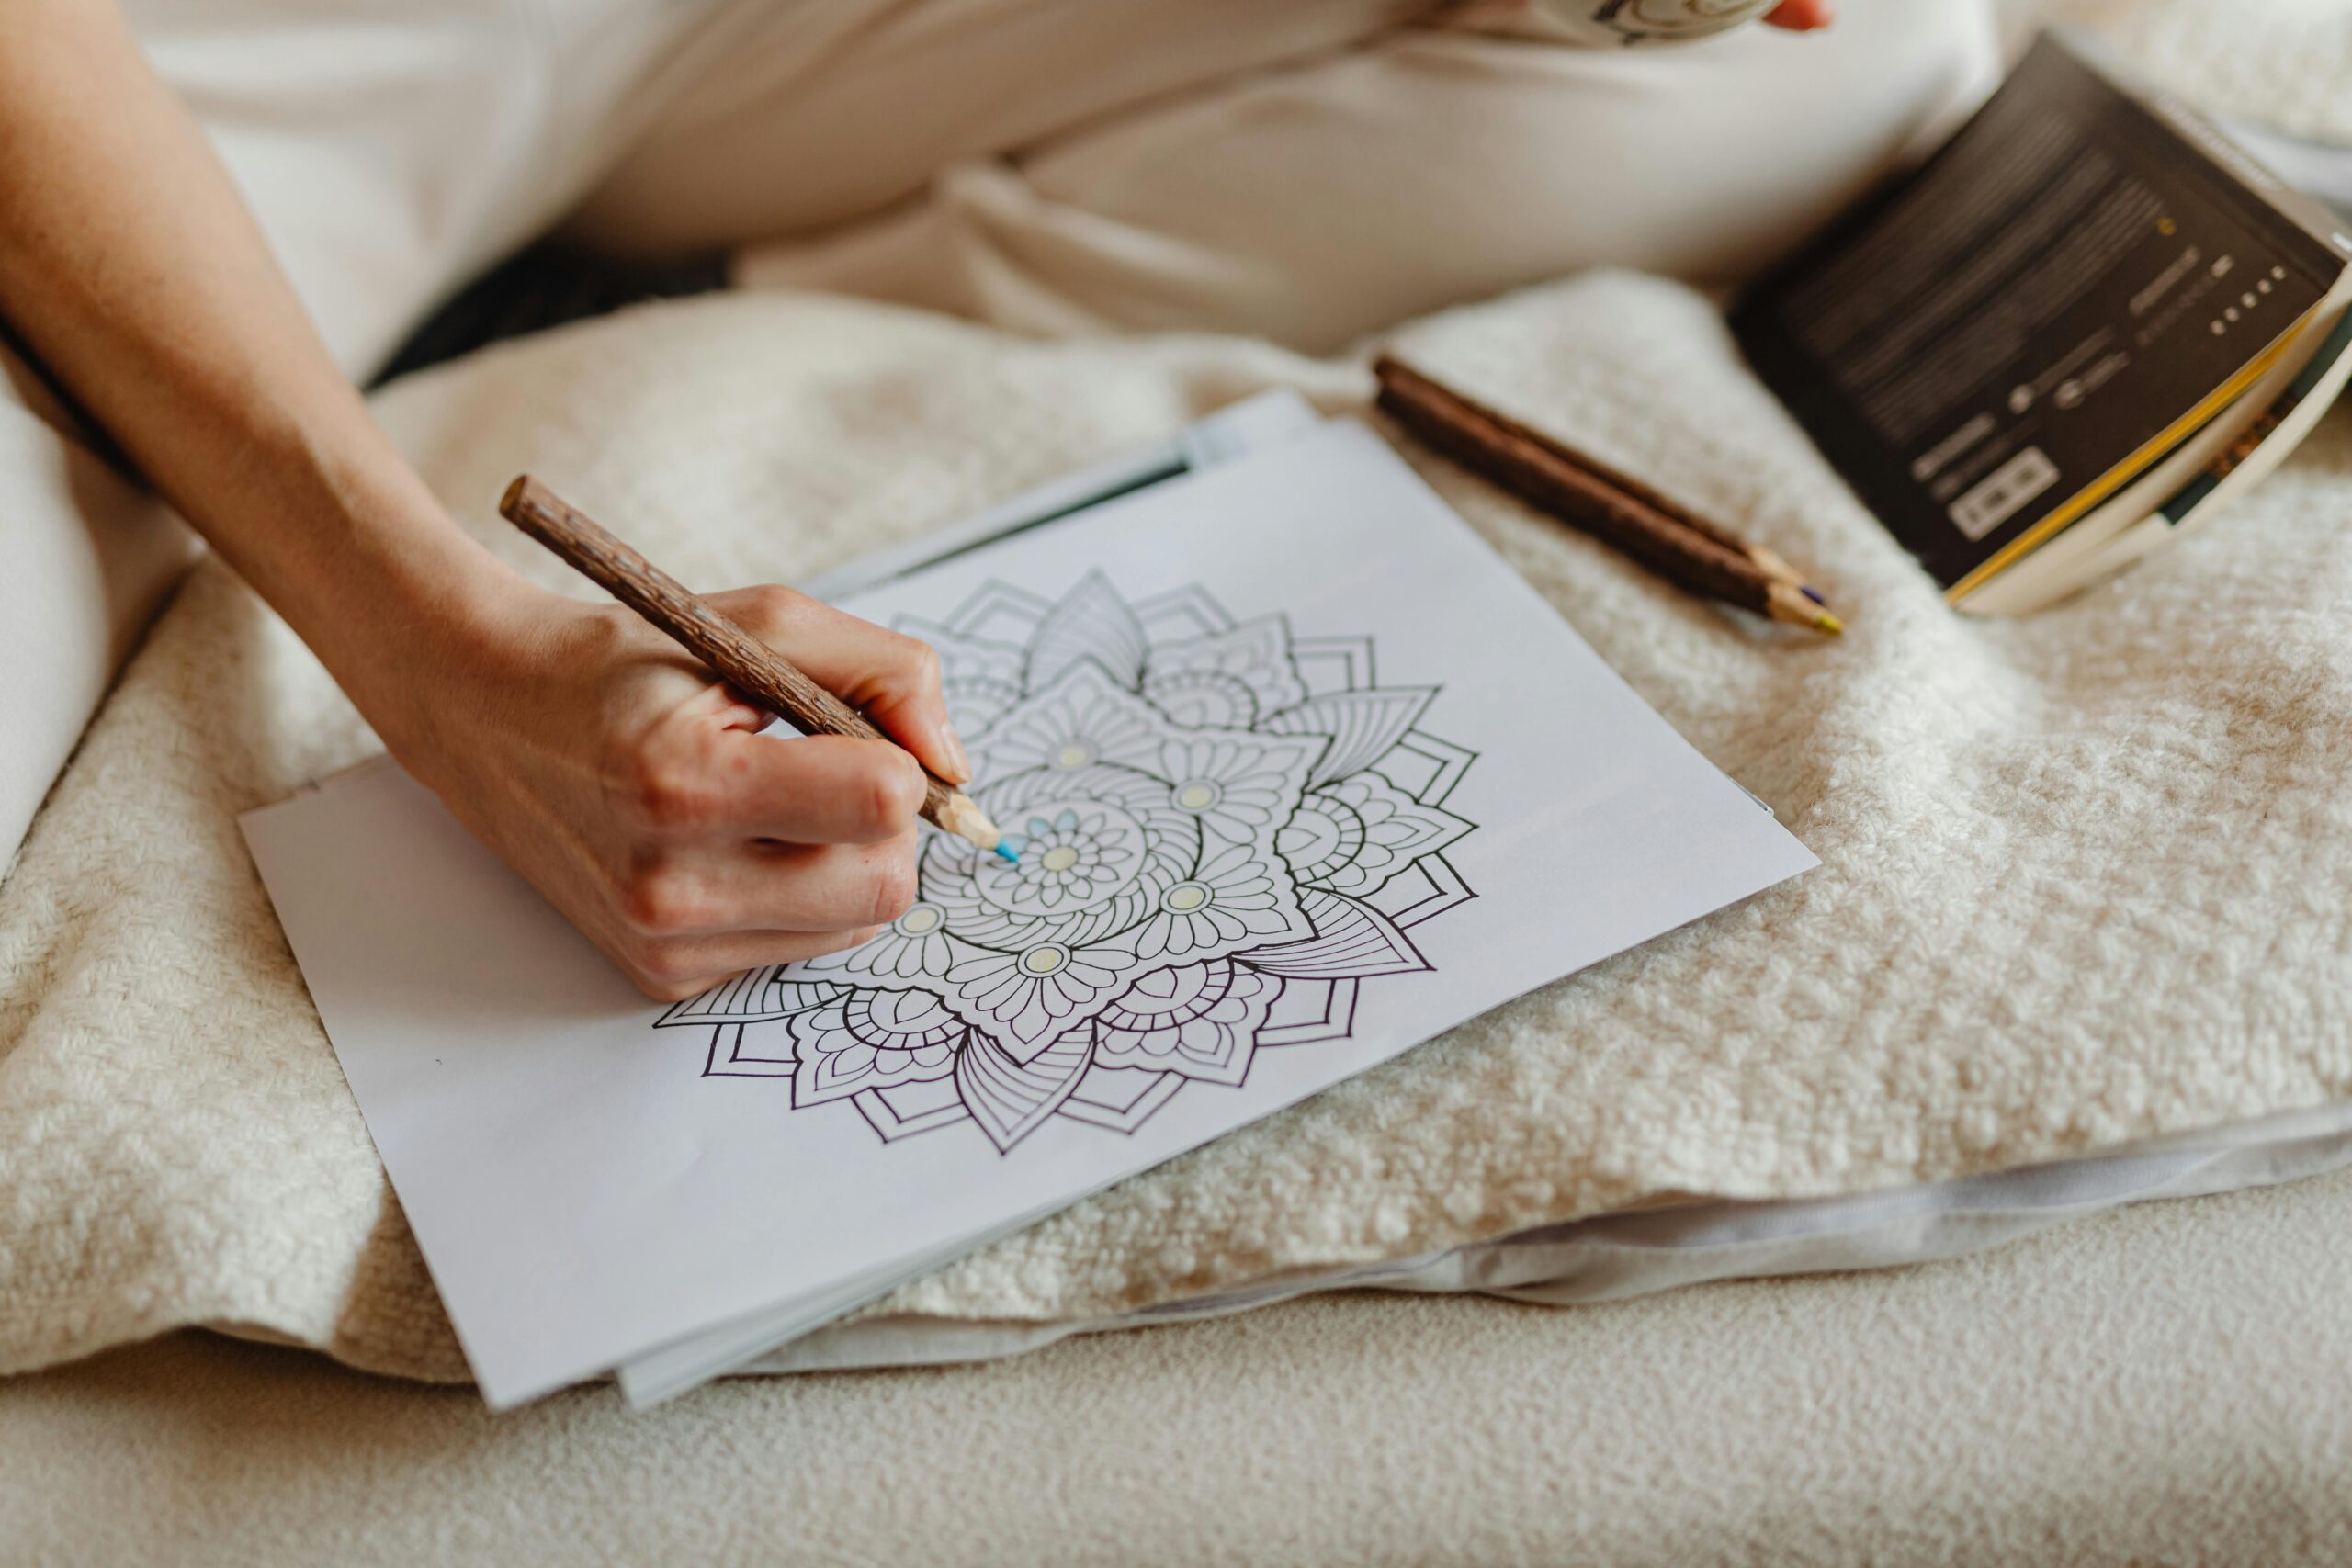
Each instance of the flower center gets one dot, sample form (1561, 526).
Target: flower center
(919, 920)
(1043, 959)
(1186, 897)
(1198, 795)
(1077, 754)
(1075, 854)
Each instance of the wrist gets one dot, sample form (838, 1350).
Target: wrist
(410, 614)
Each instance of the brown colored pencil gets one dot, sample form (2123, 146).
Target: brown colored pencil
(1701, 557)
(743, 660)
(1769, 561)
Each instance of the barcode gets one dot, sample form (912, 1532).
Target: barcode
(1995, 499)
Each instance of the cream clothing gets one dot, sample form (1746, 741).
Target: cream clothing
(1310, 170)
(1317, 202)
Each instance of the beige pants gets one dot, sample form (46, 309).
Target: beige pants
(1310, 170)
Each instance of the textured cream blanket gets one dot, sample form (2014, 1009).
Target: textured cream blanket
(2085, 878)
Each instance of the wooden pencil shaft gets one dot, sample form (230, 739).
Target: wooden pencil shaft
(1528, 469)
(1403, 376)
(745, 662)
(1768, 560)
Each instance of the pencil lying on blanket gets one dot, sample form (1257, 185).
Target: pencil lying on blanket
(743, 660)
(1701, 557)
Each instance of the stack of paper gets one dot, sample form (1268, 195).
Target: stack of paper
(1302, 776)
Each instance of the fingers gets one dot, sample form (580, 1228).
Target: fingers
(893, 679)
(671, 969)
(764, 889)
(694, 782)
(1800, 16)
(740, 850)
(691, 920)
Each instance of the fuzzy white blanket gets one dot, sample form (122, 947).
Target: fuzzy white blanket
(2086, 877)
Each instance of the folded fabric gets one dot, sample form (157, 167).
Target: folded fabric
(1612, 1258)
(2084, 883)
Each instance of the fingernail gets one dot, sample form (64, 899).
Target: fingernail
(959, 761)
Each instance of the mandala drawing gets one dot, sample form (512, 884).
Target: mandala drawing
(1223, 831)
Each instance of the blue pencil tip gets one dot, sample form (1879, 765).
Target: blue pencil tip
(1008, 851)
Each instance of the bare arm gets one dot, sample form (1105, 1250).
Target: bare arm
(573, 740)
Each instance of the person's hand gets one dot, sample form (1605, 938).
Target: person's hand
(581, 745)
(634, 792)
(1800, 16)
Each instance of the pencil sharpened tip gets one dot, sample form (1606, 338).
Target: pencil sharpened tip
(1812, 594)
(1825, 622)
(1008, 851)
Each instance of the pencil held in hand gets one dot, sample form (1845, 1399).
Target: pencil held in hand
(1702, 556)
(745, 662)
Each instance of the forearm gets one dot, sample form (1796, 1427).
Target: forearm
(129, 265)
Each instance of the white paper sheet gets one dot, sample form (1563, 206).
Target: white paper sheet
(1305, 775)
(1255, 425)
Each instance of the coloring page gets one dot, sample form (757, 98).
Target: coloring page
(1222, 832)
(1297, 773)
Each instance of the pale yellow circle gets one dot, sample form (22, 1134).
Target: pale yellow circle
(919, 920)
(1061, 857)
(1074, 756)
(1042, 959)
(1190, 897)
(1195, 797)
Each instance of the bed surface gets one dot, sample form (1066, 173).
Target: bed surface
(2168, 1383)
